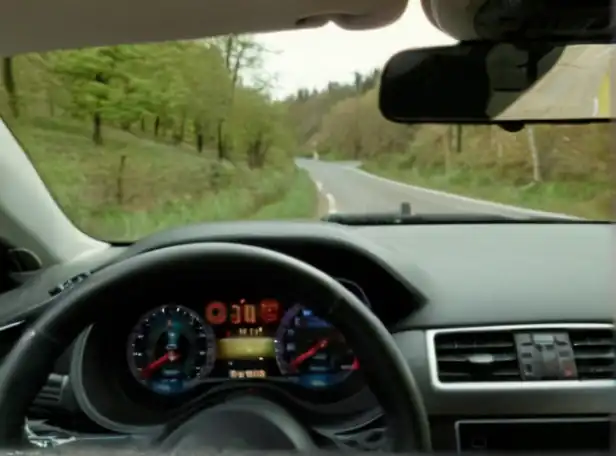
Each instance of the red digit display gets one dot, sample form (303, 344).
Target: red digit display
(250, 314)
(243, 313)
(236, 314)
(269, 310)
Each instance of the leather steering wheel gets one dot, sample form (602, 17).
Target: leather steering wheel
(25, 370)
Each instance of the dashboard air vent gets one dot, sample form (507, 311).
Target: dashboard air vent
(482, 356)
(594, 351)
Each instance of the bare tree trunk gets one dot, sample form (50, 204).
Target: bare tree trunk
(120, 197)
(447, 150)
(8, 77)
(221, 143)
(496, 144)
(97, 131)
(535, 155)
(97, 117)
(199, 137)
(234, 57)
(180, 131)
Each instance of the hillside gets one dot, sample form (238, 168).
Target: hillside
(558, 168)
(135, 186)
(134, 139)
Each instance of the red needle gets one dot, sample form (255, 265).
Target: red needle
(156, 364)
(309, 353)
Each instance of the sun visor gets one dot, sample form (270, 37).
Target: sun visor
(378, 14)
(66, 24)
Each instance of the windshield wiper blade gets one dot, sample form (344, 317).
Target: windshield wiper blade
(405, 217)
(395, 218)
(435, 219)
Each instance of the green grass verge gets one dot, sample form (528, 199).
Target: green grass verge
(131, 187)
(582, 199)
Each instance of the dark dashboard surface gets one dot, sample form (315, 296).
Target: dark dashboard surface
(418, 280)
(455, 275)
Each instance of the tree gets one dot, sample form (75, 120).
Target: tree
(9, 85)
(259, 127)
(180, 92)
(239, 53)
(92, 76)
(176, 87)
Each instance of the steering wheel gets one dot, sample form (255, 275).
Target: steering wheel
(244, 422)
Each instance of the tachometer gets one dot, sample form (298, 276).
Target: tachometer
(311, 350)
(171, 349)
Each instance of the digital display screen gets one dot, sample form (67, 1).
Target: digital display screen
(266, 312)
(245, 333)
(174, 348)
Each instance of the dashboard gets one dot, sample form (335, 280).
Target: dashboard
(437, 288)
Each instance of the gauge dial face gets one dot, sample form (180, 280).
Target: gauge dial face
(311, 350)
(171, 349)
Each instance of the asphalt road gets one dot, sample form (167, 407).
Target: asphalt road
(343, 187)
(571, 89)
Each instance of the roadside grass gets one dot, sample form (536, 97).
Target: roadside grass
(497, 166)
(131, 187)
(301, 199)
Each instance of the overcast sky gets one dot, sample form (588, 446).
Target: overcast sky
(312, 58)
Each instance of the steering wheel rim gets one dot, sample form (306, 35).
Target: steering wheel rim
(25, 369)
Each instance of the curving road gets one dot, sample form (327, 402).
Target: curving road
(346, 188)
(576, 87)
(572, 89)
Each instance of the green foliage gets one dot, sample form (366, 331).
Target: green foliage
(136, 138)
(268, 128)
(181, 92)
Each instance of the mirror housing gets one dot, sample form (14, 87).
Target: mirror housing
(486, 82)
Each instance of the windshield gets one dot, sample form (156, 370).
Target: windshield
(135, 139)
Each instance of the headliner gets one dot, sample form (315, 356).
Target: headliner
(44, 25)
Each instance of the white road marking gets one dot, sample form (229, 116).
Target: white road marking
(447, 197)
(465, 199)
(331, 203)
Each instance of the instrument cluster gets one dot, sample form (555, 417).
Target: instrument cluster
(180, 347)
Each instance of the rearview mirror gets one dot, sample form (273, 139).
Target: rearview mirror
(484, 82)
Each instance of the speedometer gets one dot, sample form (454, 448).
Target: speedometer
(312, 351)
(171, 349)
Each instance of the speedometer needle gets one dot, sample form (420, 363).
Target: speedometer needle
(309, 353)
(170, 356)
